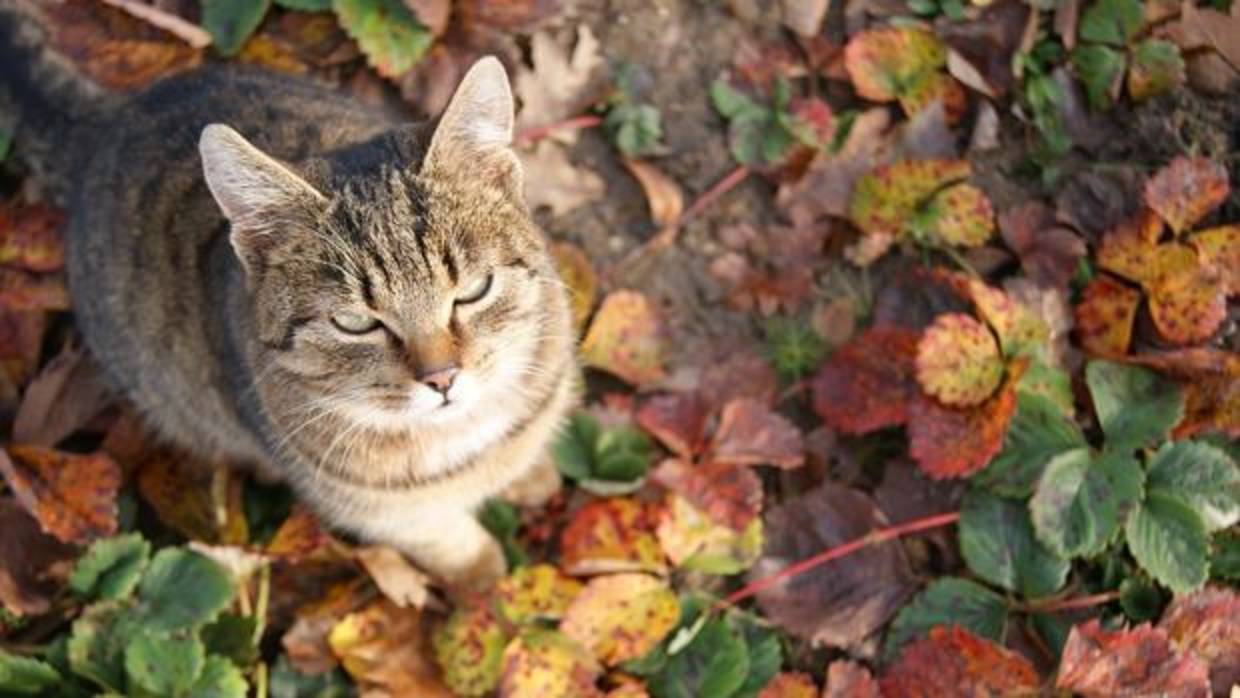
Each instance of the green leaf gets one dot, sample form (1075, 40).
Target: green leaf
(574, 448)
(97, 643)
(793, 347)
(386, 31)
(182, 590)
(231, 22)
(1101, 69)
(730, 102)
(266, 507)
(1157, 66)
(501, 519)
(1113, 22)
(997, 542)
(1141, 599)
(111, 567)
(948, 601)
(25, 676)
(1039, 431)
(635, 129)
(232, 637)
(1081, 500)
(1225, 555)
(766, 656)
(623, 454)
(287, 682)
(1169, 541)
(1135, 406)
(1202, 475)
(220, 679)
(306, 5)
(714, 664)
(162, 664)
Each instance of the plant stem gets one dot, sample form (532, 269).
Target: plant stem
(1069, 604)
(723, 186)
(872, 538)
(531, 136)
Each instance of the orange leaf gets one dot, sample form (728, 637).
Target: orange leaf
(1129, 249)
(958, 360)
(30, 237)
(1104, 316)
(677, 420)
(868, 383)
(1206, 623)
(21, 290)
(299, 537)
(885, 200)
(884, 63)
(730, 495)
(1220, 247)
(619, 617)
(663, 194)
(534, 593)
(1211, 378)
(73, 496)
(952, 661)
(948, 442)
(1140, 661)
(383, 647)
(546, 664)
(627, 338)
(611, 535)
(1188, 302)
(790, 684)
(29, 560)
(751, 434)
(1186, 190)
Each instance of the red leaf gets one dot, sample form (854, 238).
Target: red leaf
(612, 535)
(788, 684)
(29, 559)
(751, 434)
(736, 374)
(72, 496)
(1186, 190)
(867, 384)
(949, 442)
(1104, 316)
(1207, 624)
(678, 420)
(954, 662)
(1139, 661)
(731, 495)
(1048, 252)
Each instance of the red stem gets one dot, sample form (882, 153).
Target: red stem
(872, 538)
(537, 133)
(723, 186)
(1075, 604)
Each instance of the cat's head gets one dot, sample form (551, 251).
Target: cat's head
(412, 294)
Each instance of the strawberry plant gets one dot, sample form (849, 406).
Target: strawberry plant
(1111, 47)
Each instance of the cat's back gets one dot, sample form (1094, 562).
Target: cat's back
(148, 257)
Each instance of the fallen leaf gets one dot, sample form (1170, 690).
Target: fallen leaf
(402, 583)
(534, 593)
(509, 15)
(1186, 190)
(750, 434)
(546, 664)
(948, 442)
(788, 684)
(32, 563)
(1220, 248)
(306, 642)
(894, 63)
(299, 538)
(1206, 624)
(842, 602)
(619, 617)
(552, 180)
(1218, 30)
(30, 237)
(61, 399)
(180, 491)
(987, 45)
(1104, 316)
(555, 88)
(958, 361)
(886, 199)
(953, 661)
(20, 290)
(663, 194)
(677, 420)
(827, 186)
(578, 274)
(1097, 662)
(1188, 304)
(21, 339)
(627, 338)
(1049, 253)
(611, 535)
(804, 16)
(433, 14)
(470, 649)
(693, 540)
(737, 372)
(384, 647)
(867, 383)
(730, 495)
(72, 496)
(1129, 249)
(847, 679)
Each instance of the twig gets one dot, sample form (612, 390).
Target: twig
(723, 186)
(532, 135)
(872, 538)
(188, 32)
(1070, 604)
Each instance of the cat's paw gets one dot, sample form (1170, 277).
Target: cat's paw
(481, 573)
(535, 487)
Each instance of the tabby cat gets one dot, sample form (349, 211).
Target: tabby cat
(278, 275)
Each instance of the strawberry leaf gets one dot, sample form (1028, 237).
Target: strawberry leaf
(958, 361)
(1135, 406)
(1104, 316)
(997, 542)
(948, 601)
(1186, 190)
(1113, 22)
(1157, 67)
(1039, 432)
(1081, 500)
(1202, 475)
(387, 32)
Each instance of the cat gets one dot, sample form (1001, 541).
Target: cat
(275, 274)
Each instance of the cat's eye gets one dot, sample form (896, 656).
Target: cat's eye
(476, 291)
(355, 323)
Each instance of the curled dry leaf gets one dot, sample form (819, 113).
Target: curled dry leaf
(1186, 190)
(61, 399)
(300, 537)
(552, 180)
(952, 661)
(619, 617)
(868, 383)
(627, 338)
(384, 647)
(663, 194)
(751, 434)
(1140, 661)
(958, 361)
(1206, 624)
(949, 442)
(842, 602)
(556, 87)
(72, 496)
(402, 583)
(1104, 316)
(730, 495)
(611, 535)
(546, 664)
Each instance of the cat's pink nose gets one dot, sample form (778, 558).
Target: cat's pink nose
(441, 379)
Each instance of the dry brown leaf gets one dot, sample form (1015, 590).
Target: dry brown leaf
(73, 496)
(804, 16)
(30, 562)
(663, 194)
(61, 399)
(552, 180)
(556, 87)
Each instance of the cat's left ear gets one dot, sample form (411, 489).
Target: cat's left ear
(474, 135)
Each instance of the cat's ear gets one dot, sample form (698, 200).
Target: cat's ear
(474, 135)
(248, 185)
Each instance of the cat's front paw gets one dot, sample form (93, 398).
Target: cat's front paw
(480, 573)
(539, 484)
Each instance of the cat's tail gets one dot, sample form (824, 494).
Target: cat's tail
(44, 98)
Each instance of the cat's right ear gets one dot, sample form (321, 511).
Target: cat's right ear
(252, 189)
(474, 135)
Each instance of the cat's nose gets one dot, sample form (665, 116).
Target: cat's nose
(440, 378)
